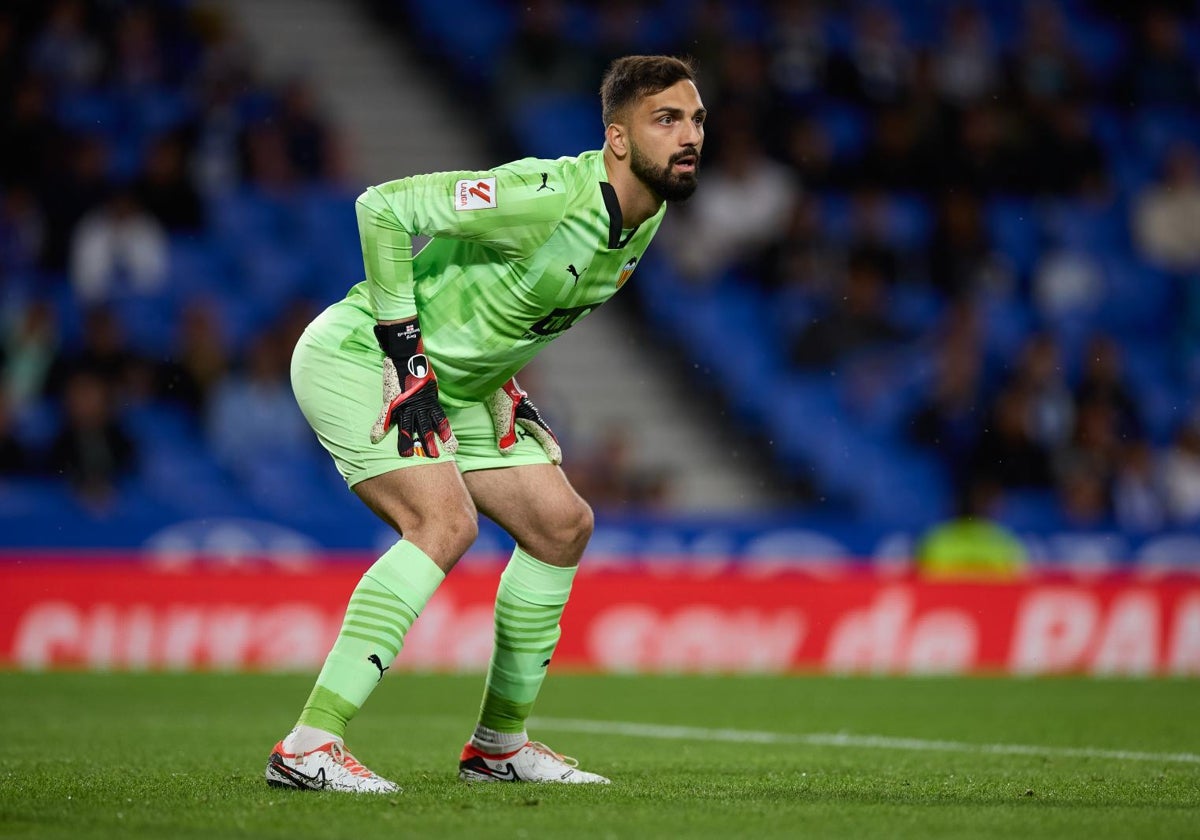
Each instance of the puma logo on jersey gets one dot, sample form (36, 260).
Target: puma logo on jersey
(576, 274)
(544, 185)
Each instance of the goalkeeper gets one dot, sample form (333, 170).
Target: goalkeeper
(518, 254)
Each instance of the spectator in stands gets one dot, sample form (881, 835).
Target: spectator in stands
(166, 189)
(22, 230)
(962, 261)
(893, 159)
(968, 61)
(804, 263)
(138, 58)
(540, 60)
(1067, 284)
(705, 35)
(77, 185)
(744, 91)
(1067, 156)
(1094, 445)
(105, 353)
(982, 156)
(1084, 497)
(65, 51)
(948, 418)
(199, 361)
(858, 323)
(746, 202)
(797, 50)
(972, 545)
(878, 68)
(216, 138)
(1007, 452)
(1041, 376)
(1158, 71)
(1103, 381)
(808, 152)
(1181, 475)
(265, 161)
(252, 415)
(29, 355)
(1138, 498)
(31, 138)
(1166, 214)
(14, 457)
(1046, 68)
(310, 143)
(118, 248)
(91, 449)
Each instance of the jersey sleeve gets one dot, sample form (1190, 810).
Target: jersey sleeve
(509, 209)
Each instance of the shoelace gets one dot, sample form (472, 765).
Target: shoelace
(342, 757)
(538, 746)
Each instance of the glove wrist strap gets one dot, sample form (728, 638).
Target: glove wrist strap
(400, 341)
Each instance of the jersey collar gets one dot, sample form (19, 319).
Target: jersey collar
(616, 221)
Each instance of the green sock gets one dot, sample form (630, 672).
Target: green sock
(529, 604)
(382, 607)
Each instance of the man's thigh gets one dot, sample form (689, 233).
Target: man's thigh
(537, 506)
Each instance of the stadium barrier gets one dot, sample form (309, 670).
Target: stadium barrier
(127, 613)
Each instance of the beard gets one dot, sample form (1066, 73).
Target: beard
(664, 181)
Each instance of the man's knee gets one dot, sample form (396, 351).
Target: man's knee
(452, 527)
(570, 525)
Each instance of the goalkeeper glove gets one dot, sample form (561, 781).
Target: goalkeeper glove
(410, 404)
(510, 407)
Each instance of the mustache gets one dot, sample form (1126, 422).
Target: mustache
(690, 151)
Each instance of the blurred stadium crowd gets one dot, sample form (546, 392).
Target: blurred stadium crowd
(944, 254)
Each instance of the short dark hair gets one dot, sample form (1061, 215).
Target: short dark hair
(634, 77)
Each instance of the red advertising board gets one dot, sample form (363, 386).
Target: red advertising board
(130, 614)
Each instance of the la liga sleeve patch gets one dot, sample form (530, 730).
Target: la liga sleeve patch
(475, 194)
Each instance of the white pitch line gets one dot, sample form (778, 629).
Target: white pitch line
(820, 739)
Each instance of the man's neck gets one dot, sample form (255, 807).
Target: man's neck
(637, 202)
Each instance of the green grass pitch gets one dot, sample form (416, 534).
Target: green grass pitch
(181, 756)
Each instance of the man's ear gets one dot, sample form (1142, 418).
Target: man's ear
(617, 139)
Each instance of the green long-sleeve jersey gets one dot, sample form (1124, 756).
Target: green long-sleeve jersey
(518, 255)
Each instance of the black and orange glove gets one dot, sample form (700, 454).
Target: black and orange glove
(511, 407)
(410, 394)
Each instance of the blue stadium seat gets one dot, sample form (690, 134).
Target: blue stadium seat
(557, 124)
(196, 268)
(846, 126)
(1013, 226)
(1099, 229)
(1139, 298)
(91, 112)
(471, 33)
(245, 216)
(1156, 129)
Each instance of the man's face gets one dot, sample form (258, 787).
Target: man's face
(666, 132)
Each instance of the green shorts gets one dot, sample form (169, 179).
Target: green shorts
(337, 376)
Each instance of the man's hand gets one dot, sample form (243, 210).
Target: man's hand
(410, 396)
(510, 407)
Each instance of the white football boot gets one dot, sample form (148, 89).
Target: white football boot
(328, 767)
(534, 762)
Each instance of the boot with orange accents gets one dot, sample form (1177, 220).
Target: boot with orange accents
(534, 762)
(328, 767)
